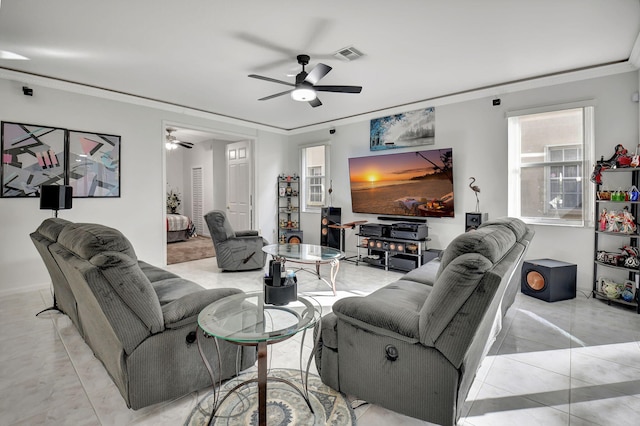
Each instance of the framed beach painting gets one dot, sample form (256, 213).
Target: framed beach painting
(409, 129)
(32, 155)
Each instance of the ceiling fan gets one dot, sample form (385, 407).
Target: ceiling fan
(173, 142)
(305, 88)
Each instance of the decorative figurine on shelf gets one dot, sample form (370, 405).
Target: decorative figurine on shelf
(620, 158)
(627, 293)
(603, 220)
(635, 159)
(612, 222)
(476, 191)
(628, 222)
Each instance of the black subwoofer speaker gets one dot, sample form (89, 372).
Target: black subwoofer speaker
(473, 220)
(330, 237)
(549, 280)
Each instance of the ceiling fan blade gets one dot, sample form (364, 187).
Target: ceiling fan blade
(315, 103)
(187, 145)
(266, 98)
(340, 89)
(261, 42)
(273, 80)
(317, 73)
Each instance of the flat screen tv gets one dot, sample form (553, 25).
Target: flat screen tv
(418, 183)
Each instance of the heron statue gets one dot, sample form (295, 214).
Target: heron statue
(476, 191)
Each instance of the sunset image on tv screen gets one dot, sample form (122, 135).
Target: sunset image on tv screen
(410, 184)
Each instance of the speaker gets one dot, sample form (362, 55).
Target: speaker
(330, 237)
(56, 197)
(473, 220)
(293, 237)
(549, 280)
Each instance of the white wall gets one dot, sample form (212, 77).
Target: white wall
(477, 132)
(139, 212)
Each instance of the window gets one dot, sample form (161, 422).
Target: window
(550, 153)
(314, 176)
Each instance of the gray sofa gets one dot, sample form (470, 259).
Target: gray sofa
(139, 320)
(414, 346)
(235, 250)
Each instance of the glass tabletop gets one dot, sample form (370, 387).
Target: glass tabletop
(245, 318)
(303, 252)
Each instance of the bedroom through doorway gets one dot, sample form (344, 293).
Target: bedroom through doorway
(196, 183)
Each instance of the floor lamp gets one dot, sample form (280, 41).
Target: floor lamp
(55, 197)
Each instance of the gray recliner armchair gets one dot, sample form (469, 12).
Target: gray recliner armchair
(235, 251)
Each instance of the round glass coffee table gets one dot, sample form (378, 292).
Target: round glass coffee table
(310, 254)
(244, 319)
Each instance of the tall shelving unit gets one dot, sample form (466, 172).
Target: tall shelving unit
(289, 209)
(604, 238)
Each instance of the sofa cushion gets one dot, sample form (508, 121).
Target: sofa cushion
(454, 286)
(153, 273)
(88, 239)
(518, 227)
(51, 228)
(126, 278)
(171, 289)
(395, 307)
(219, 227)
(425, 274)
(492, 242)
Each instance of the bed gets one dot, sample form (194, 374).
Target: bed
(179, 228)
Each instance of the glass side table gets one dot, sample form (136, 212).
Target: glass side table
(244, 319)
(310, 254)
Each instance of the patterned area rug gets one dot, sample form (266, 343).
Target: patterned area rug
(285, 406)
(195, 248)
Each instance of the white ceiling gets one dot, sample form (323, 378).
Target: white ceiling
(198, 53)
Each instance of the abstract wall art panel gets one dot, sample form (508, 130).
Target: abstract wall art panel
(94, 164)
(409, 129)
(32, 155)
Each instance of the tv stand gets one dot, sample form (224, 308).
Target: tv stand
(391, 253)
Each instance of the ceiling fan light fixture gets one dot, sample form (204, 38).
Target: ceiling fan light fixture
(303, 94)
(171, 145)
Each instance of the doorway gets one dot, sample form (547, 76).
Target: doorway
(201, 175)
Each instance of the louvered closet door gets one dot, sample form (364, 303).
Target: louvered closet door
(197, 191)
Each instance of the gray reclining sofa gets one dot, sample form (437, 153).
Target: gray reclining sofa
(139, 320)
(414, 346)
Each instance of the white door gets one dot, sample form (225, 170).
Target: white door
(239, 188)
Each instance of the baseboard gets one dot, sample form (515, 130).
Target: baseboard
(25, 289)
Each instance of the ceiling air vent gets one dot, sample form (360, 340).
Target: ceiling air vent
(348, 54)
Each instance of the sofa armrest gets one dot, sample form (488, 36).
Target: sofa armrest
(380, 318)
(186, 309)
(250, 233)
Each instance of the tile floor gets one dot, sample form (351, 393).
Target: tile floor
(574, 362)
